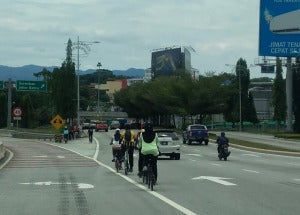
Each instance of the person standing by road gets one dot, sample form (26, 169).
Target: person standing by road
(90, 131)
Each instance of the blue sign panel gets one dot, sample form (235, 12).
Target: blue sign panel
(279, 32)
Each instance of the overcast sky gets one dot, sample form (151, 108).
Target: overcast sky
(220, 31)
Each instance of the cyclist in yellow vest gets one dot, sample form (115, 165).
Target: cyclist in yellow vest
(148, 146)
(128, 143)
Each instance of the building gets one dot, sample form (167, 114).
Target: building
(166, 61)
(262, 97)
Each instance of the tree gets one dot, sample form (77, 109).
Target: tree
(64, 86)
(278, 96)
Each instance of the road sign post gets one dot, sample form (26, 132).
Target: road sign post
(1, 85)
(38, 86)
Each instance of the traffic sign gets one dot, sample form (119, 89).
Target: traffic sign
(57, 122)
(17, 112)
(1, 85)
(38, 86)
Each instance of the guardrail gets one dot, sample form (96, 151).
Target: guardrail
(30, 135)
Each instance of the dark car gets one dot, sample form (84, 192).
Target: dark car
(195, 133)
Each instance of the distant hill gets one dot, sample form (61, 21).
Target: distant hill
(26, 72)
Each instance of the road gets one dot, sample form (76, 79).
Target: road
(44, 179)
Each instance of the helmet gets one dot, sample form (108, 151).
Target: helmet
(148, 126)
(127, 126)
(117, 130)
(222, 133)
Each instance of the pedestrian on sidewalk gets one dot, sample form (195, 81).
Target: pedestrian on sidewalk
(90, 131)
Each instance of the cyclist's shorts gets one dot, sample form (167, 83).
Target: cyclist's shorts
(116, 147)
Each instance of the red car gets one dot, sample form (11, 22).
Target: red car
(102, 125)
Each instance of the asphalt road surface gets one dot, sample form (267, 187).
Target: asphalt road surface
(45, 179)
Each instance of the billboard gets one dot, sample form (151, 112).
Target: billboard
(279, 29)
(166, 62)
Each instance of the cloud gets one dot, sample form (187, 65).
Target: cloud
(35, 31)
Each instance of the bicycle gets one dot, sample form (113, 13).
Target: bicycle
(118, 158)
(148, 174)
(126, 162)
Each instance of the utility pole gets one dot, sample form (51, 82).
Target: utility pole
(85, 47)
(99, 66)
(9, 95)
(289, 94)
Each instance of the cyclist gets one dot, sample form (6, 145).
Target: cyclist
(127, 139)
(148, 146)
(115, 142)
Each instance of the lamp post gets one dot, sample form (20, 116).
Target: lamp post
(99, 66)
(85, 47)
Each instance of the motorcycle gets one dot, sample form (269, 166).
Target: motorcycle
(223, 152)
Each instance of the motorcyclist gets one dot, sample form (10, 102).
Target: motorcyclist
(221, 141)
(128, 143)
(148, 145)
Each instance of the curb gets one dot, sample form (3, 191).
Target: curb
(267, 151)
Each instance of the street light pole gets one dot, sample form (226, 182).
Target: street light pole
(240, 98)
(99, 66)
(84, 46)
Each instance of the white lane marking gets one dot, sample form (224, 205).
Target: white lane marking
(294, 164)
(11, 155)
(297, 179)
(40, 156)
(192, 160)
(249, 170)
(196, 155)
(97, 149)
(61, 157)
(218, 180)
(251, 155)
(215, 164)
(48, 183)
(154, 193)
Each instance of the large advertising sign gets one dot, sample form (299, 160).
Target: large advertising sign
(166, 62)
(279, 33)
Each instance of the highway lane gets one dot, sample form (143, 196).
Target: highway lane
(34, 182)
(249, 183)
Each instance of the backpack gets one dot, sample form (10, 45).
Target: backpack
(127, 135)
(223, 140)
(117, 136)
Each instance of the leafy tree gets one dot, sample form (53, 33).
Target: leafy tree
(64, 86)
(278, 97)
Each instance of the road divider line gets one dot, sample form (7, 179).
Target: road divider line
(11, 155)
(215, 164)
(249, 170)
(155, 194)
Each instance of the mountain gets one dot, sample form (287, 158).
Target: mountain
(26, 72)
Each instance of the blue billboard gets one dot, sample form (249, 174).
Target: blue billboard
(279, 30)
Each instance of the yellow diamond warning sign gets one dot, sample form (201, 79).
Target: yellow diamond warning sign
(57, 122)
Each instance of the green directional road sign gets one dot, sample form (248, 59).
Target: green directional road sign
(38, 86)
(1, 85)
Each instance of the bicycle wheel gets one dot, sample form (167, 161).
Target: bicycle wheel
(117, 164)
(149, 176)
(126, 163)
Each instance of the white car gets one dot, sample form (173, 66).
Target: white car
(168, 143)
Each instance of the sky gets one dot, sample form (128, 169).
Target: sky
(220, 32)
